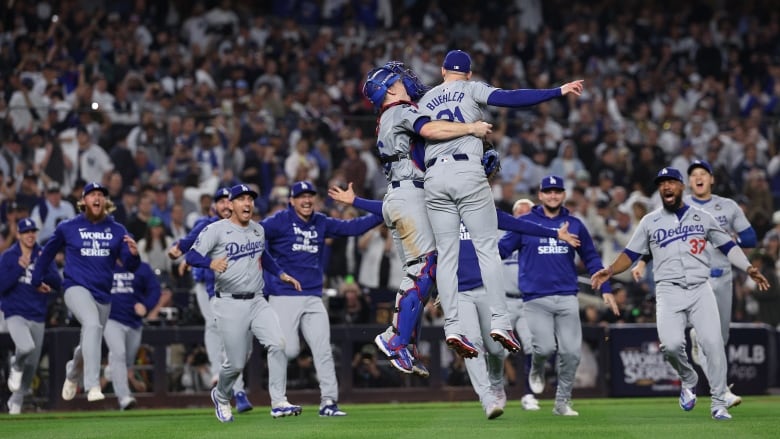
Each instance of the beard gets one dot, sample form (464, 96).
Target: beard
(92, 217)
(674, 205)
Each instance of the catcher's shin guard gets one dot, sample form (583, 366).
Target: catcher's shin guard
(410, 301)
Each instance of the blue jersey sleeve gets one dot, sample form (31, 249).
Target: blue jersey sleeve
(186, 243)
(524, 226)
(353, 227)
(522, 97)
(589, 255)
(197, 260)
(52, 277)
(53, 245)
(151, 287)
(747, 238)
(509, 243)
(270, 265)
(11, 272)
(373, 206)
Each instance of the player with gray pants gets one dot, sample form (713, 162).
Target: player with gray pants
(456, 187)
(676, 235)
(132, 296)
(92, 242)
(24, 308)
(548, 279)
(235, 250)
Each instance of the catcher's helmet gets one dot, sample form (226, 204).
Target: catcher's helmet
(414, 87)
(377, 83)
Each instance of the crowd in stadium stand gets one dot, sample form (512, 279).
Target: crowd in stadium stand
(164, 102)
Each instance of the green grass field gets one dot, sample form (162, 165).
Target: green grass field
(757, 417)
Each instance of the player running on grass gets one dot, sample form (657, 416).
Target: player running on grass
(677, 236)
(234, 248)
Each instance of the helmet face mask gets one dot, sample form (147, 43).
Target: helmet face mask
(414, 87)
(377, 83)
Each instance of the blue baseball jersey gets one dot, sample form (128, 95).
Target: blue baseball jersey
(141, 286)
(297, 245)
(17, 296)
(547, 265)
(91, 250)
(185, 244)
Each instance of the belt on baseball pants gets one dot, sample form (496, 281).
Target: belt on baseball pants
(456, 157)
(237, 296)
(514, 295)
(414, 183)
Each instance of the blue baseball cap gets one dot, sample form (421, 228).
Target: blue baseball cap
(93, 187)
(222, 192)
(700, 164)
(241, 189)
(302, 187)
(25, 225)
(668, 174)
(457, 61)
(551, 182)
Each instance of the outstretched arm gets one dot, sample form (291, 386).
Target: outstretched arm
(348, 197)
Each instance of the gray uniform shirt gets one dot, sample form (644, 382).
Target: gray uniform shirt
(457, 101)
(731, 219)
(243, 246)
(396, 133)
(678, 246)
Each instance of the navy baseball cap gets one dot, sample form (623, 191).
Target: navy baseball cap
(25, 225)
(302, 187)
(457, 61)
(222, 192)
(241, 189)
(699, 164)
(551, 182)
(668, 174)
(94, 187)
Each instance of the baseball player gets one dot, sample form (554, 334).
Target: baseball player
(401, 131)
(24, 308)
(732, 219)
(677, 236)
(133, 294)
(234, 249)
(514, 303)
(92, 242)
(296, 237)
(457, 189)
(204, 293)
(404, 359)
(548, 279)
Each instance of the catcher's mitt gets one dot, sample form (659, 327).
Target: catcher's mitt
(490, 159)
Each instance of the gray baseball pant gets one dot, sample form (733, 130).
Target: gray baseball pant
(487, 370)
(555, 321)
(723, 288)
(308, 314)
(27, 336)
(123, 343)
(520, 323)
(458, 191)
(675, 308)
(92, 316)
(234, 318)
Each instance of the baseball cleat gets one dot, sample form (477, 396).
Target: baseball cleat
(732, 400)
(127, 403)
(223, 411)
(418, 367)
(529, 402)
(284, 408)
(69, 389)
(242, 402)
(95, 394)
(494, 411)
(14, 379)
(687, 399)
(14, 409)
(399, 357)
(563, 408)
(507, 339)
(330, 408)
(499, 395)
(536, 380)
(462, 346)
(721, 415)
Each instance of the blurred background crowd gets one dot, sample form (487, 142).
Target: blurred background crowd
(165, 101)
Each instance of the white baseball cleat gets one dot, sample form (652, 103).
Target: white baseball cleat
(14, 409)
(536, 380)
(493, 411)
(721, 415)
(563, 408)
(223, 411)
(284, 409)
(499, 395)
(95, 394)
(529, 402)
(69, 389)
(14, 380)
(732, 400)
